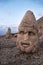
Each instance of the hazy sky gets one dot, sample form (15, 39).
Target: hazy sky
(12, 11)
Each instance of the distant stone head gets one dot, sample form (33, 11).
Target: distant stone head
(27, 38)
(8, 33)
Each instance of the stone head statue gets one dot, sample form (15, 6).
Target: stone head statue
(8, 33)
(40, 28)
(27, 38)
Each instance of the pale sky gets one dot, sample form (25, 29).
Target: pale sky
(12, 11)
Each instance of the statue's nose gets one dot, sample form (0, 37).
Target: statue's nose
(26, 36)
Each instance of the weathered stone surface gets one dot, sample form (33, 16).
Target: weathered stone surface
(40, 28)
(8, 33)
(27, 38)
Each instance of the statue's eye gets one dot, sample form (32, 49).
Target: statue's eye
(21, 32)
(31, 33)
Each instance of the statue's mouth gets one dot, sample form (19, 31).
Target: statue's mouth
(25, 44)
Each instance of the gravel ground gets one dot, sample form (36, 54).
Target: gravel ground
(12, 56)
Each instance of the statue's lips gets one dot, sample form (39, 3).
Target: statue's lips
(25, 44)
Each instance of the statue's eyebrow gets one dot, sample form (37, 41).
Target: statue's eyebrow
(21, 31)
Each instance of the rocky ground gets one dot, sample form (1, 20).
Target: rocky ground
(10, 55)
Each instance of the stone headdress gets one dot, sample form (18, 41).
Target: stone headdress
(27, 21)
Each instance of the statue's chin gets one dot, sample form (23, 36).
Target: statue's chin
(26, 49)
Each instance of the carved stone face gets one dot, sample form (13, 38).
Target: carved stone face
(27, 38)
(27, 41)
